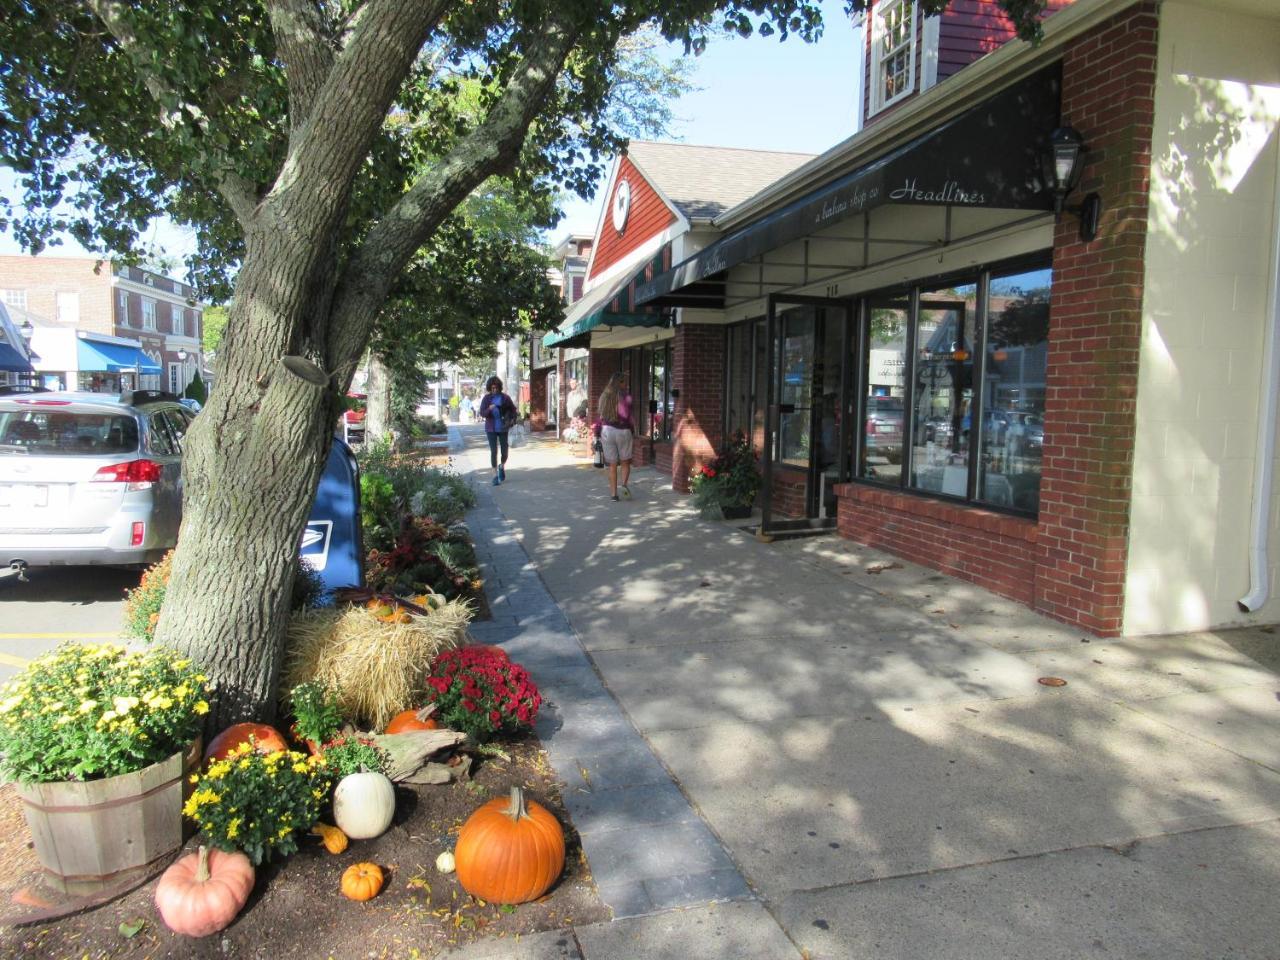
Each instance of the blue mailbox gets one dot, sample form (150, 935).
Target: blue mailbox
(331, 543)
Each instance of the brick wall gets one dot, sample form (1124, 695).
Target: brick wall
(995, 551)
(787, 495)
(662, 458)
(562, 391)
(1095, 327)
(43, 278)
(697, 368)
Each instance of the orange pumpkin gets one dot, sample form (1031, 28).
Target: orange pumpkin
(202, 893)
(266, 739)
(510, 850)
(362, 881)
(408, 720)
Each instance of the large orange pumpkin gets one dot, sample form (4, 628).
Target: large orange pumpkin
(510, 850)
(408, 720)
(266, 739)
(202, 893)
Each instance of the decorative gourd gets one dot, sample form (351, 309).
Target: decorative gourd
(509, 850)
(445, 863)
(202, 893)
(361, 881)
(408, 720)
(266, 739)
(363, 804)
(335, 841)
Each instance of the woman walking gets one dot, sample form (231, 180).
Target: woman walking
(498, 411)
(613, 427)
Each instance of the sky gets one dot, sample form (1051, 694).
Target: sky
(755, 93)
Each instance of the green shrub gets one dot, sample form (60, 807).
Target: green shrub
(348, 755)
(315, 711)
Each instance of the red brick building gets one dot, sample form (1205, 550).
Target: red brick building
(76, 302)
(1062, 391)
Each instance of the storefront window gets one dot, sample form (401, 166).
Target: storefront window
(977, 388)
(1013, 390)
(795, 392)
(881, 449)
(660, 409)
(942, 411)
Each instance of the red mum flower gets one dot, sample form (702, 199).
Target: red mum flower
(469, 706)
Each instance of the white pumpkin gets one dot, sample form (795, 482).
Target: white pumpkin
(445, 862)
(363, 805)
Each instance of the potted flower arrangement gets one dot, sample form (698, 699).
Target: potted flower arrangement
(727, 486)
(480, 692)
(257, 802)
(98, 740)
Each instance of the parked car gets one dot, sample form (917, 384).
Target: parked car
(89, 479)
(884, 428)
(191, 403)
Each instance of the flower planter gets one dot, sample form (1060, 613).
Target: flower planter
(109, 834)
(736, 513)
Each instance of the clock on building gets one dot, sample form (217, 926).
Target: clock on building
(621, 205)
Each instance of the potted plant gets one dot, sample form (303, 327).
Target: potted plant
(257, 802)
(727, 486)
(480, 692)
(99, 740)
(316, 715)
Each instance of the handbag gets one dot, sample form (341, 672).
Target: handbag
(598, 448)
(508, 417)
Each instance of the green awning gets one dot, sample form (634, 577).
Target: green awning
(611, 305)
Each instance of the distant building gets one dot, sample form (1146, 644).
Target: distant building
(103, 326)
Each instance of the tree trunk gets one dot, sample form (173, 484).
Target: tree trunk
(377, 421)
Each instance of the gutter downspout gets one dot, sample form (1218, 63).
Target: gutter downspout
(1266, 444)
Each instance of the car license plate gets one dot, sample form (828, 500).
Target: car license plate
(24, 495)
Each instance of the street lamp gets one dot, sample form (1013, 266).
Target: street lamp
(1062, 169)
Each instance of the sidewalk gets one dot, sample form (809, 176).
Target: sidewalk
(770, 752)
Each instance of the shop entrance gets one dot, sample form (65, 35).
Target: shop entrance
(808, 413)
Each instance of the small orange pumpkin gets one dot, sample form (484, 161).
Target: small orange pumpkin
(202, 893)
(510, 850)
(362, 881)
(408, 720)
(266, 739)
(335, 841)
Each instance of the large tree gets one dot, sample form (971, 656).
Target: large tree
(316, 145)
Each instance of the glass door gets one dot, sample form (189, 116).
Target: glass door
(806, 421)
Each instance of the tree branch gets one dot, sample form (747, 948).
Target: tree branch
(308, 56)
(490, 147)
(237, 191)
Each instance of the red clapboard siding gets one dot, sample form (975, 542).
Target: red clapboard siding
(649, 217)
(971, 29)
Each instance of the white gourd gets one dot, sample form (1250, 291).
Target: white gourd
(363, 805)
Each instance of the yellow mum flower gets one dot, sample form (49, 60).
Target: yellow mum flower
(10, 704)
(201, 707)
(233, 827)
(124, 704)
(301, 767)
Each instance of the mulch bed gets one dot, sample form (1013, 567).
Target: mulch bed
(296, 909)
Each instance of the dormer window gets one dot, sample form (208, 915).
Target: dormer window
(893, 52)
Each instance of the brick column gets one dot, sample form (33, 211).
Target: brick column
(1096, 323)
(697, 369)
(538, 400)
(601, 365)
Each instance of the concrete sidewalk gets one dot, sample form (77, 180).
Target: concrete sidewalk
(772, 752)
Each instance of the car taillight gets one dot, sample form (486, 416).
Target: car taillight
(135, 471)
(139, 533)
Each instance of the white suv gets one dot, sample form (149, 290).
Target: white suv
(89, 478)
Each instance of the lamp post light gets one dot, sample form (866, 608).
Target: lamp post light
(1063, 165)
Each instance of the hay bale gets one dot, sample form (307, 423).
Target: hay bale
(377, 668)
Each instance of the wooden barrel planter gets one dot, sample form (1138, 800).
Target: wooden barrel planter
(109, 834)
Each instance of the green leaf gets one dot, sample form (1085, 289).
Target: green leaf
(131, 928)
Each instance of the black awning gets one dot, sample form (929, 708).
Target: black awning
(987, 157)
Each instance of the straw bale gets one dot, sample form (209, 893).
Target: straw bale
(378, 669)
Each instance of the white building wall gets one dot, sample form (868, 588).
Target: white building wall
(1212, 226)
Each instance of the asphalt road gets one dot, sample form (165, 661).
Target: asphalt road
(59, 604)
